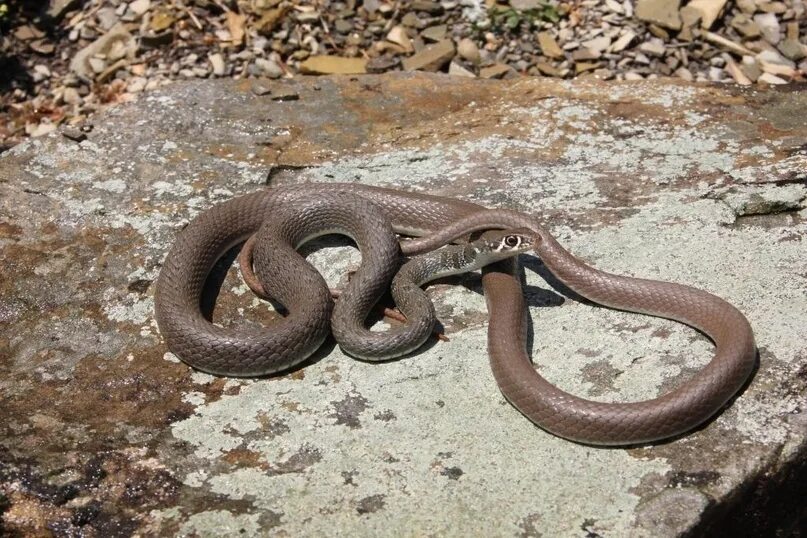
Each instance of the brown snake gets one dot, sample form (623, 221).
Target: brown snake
(228, 351)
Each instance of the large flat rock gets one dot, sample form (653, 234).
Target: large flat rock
(105, 433)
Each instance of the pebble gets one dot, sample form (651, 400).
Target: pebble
(707, 10)
(623, 42)
(654, 47)
(268, 68)
(381, 64)
(549, 46)
(139, 7)
(742, 42)
(71, 96)
(333, 65)
(661, 12)
(430, 58)
(434, 33)
(457, 70)
(495, 71)
(684, 73)
(468, 50)
(136, 84)
(399, 36)
(769, 27)
(217, 62)
(768, 78)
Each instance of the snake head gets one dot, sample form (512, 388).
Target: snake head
(501, 244)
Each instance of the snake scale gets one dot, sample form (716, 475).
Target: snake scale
(435, 221)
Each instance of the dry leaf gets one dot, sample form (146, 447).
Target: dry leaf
(235, 24)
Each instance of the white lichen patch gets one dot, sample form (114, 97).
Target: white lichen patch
(221, 523)
(130, 308)
(422, 421)
(194, 398)
(116, 186)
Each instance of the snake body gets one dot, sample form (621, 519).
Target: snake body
(438, 220)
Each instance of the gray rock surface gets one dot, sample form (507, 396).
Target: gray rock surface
(105, 433)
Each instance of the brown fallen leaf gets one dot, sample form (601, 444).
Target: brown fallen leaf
(235, 24)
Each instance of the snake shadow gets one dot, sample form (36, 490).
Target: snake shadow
(210, 294)
(218, 275)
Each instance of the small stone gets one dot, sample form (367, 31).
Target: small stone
(71, 96)
(582, 67)
(737, 73)
(773, 57)
(310, 16)
(42, 129)
(26, 33)
(76, 135)
(412, 21)
(661, 12)
(333, 65)
(139, 7)
(382, 63)
(432, 8)
(584, 54)
(161, 20)
(549, 47)
(526, 5)
(284, 93)
(217, 63)
(260, 88)
(745, 26)
(603, 74)
(106, 18)
(598, 44)
(750, 68)
(399, 36)
(689, 20)
(631, 75)
(715, 74)
(434, 33)
(653, 47)
(624, 41)
(42, 70)
(548, 69)
(709, 10)
(772, 7)
(456, 70)
(431, 58)
(343, 26)
(96, 64)
(658, 31)
(614, 6)
(268, 68)
(748, 7)
(791, 47)
(42, 47)
(768, 78)
(769, 26)
(495, 71)
(684, 73)
(136, 84)
(467, 49)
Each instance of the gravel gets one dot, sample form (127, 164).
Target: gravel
(62, 63)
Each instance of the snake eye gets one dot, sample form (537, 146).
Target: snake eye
(512, 241)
